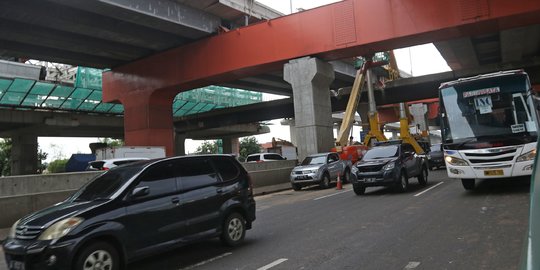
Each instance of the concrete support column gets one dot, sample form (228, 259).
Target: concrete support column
(310, 79)
(180, 144)
(362, 110)
(231, 145)
(24, 159)
(292, 130)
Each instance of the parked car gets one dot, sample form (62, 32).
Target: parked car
(260, 157)
(436, 157)
(390, 164)
(103, 165)
(136, 210)
(320, 169)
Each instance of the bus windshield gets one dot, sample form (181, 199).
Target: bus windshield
(489, 107)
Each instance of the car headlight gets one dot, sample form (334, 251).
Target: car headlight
(389, 166)
(60, 228)
(527, 156)
(354, 170)
(456, 161)
(13, 229)
(310, 171)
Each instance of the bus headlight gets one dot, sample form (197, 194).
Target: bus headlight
(455, 161)
(527, 156)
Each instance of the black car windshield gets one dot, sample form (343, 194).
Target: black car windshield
(314, 160)
(382, 152)
(105, 185)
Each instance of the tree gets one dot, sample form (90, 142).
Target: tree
(207, 147)
(41, 157)
(57, 166)
(5, 157)
(111, 142)
(248, 146)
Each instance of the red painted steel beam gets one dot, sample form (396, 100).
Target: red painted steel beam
(336, 31)
(344, 29)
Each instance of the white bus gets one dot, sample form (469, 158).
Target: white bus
(489, 126)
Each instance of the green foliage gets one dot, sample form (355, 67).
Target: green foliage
(207, 147)
(111, 142)
(57, 166)
(248, 146)
(41, 157)
(5, 157)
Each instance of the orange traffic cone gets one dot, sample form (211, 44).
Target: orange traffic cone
(339, 185)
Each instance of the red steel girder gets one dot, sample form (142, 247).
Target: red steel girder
(335, 31)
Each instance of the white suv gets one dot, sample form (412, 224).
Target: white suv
(103, 165)
(260, 157)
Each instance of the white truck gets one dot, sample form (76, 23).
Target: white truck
(130, 151)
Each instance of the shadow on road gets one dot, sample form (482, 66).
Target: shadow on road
(501, 186)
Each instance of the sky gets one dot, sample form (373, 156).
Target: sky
(417, 60)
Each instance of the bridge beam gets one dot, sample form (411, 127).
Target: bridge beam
(331, 32)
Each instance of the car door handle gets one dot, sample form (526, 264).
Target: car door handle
(175, 200)
(219, 190)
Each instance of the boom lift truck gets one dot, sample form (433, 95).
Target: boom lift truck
(353, 152)
(375, 132)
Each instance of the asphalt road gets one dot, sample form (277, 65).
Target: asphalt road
(441, 226)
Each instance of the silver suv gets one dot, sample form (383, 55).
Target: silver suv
(320, 169)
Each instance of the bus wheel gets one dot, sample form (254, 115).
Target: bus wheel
(468, 183)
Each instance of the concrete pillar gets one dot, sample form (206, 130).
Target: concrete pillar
(180, 144)
(24, 159)
(310, 79)
(231, 145)
(362, 110)
(292, 130)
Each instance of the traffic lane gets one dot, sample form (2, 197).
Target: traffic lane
(445, 228)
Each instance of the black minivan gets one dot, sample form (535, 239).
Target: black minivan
(137, 210)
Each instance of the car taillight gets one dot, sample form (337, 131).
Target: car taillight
(258, 161)
(104, 168)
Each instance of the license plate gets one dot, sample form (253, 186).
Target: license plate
(370, 180)
(493, 172)
(301, 177)
(16, 265)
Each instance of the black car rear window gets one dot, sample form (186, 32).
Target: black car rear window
(226, 168)
(195, 172)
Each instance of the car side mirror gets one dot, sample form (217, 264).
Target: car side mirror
(140, 192)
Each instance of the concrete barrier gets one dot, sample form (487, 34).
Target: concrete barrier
(21, 195)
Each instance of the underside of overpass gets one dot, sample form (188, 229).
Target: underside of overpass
(155, 54)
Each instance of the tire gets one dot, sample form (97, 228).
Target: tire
(325, 182)
(296, 187)
(359, 189)
(98, 255)
(468, 183)
(403, 183)
(423, 177)
(234, 230)
(346, 177)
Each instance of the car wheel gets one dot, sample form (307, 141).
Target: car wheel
(325, 182)
(359, 189)
(423, 177)
(468, 183)
(296, 187)
(234, 230)
(346, 177)
(403, 183)
(99, 256)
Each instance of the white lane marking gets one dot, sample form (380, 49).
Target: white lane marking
(207, 261)
(418, 194)
(332, 195)
(270, 265)
(412, 265)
